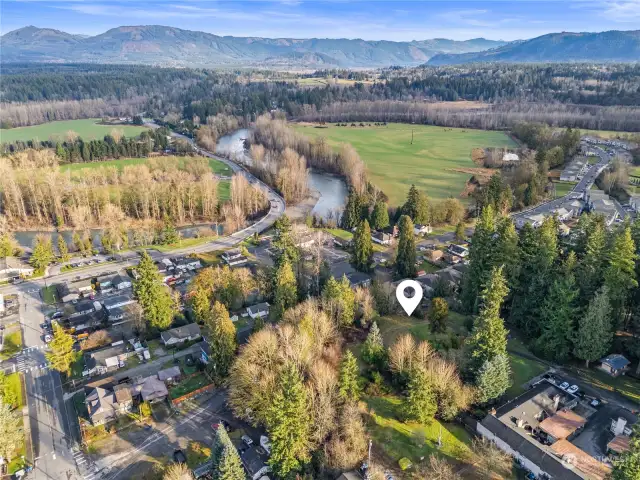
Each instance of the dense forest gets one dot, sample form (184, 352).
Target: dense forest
(577, 95)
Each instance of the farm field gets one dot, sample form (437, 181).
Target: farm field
(87, 129)
(438, 161)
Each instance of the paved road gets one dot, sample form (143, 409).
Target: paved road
(578, 191)
(55, 449)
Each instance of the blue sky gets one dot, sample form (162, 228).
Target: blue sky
(370, 20)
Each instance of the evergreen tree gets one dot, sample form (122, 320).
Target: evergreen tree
(373, 351)
(352, 211)
(627, 466)
(283, 242)
(380, 216)
(63, 249)
(338, 299)
(506, 248)
(591, 268)
(60, 355)
(289, 424)
(620, 276)
(481, 260)
(406, 252)
(225, 461)
(77, 242)
(154, 297)
(493, 378)
(421, 403)
(594, 334)
(221, 336)
(348, 388)
(285, 290)
(8, 245)
(437, 314)
(362, 255)
(42, 254)
(460, 234)
(558, 315)
(410, 207)
(489, 337)
(423, 212)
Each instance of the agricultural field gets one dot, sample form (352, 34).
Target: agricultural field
(217, 167)
(438, 160)
(87, 129)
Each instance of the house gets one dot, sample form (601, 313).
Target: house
(82, 323)
(205, 352)
(534, 220)
(422, 229)
(65, 293)
(178, 335)
(382, 238)
(107, 358)
(580, 460)
(106, 402)
(254, 463)
(170, 375)
(510, 157)
(83, 307)
(260, 310)
(458, 250)
(234, 257)
(12, 267)
(117, 301)
(121, 282)
(105, 283)
(614, 364)
(186, 263)
(621, 430)
(561, 426)
(511, 427)
(151, 389)
(83, 286)
(562, 213)
(305, 241)
(353, 475)
(117, 315)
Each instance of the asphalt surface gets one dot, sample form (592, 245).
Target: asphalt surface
(54, 432)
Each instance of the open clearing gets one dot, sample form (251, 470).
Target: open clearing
(394, 163)
(87, 129)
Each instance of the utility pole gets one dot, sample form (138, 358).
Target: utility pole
(412, 136)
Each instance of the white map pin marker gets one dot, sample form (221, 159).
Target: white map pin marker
(409, 303)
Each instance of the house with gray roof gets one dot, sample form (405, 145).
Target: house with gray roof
(182, 334)
(106, 402)
(614, 364)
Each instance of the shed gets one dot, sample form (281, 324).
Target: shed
(171, 374)
(614, 364)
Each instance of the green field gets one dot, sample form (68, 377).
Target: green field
(87, 129)
(394, 163)
(563, 188)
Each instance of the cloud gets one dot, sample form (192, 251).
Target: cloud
(624, 11)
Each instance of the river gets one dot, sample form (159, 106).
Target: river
(332, 191)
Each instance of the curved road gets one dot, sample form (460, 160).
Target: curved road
(55, 450)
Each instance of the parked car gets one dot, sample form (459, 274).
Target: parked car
(247, 440)
(48, 338)
(564, 386)
(179, 457)
(573, 389)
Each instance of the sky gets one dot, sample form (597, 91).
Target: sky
(369, 20)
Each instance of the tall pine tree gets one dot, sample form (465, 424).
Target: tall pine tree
(489, 336)
(406, 252)
(380, 216)
(352, 210)
(289, 424)
(348, 389)
(154, 297)
(362, 255)
(420, 405)
(221, 336)
(594, 334)
(620, 276)
(285, 290)
(225, 461)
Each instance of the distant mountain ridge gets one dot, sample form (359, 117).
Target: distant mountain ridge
(156, 44)
(611, 46)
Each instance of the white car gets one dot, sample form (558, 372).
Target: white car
(247, 440)
(572, 389)
(48, 338)
(564, 386)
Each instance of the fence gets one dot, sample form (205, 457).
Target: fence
(177, 401)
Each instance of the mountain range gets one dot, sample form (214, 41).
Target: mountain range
(161, 45)
(169, 46)
(612, 46)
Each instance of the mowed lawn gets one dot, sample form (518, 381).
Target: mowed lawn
(87, 129)
(394, 163)
(218, 167)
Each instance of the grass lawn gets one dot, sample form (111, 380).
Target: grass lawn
(522, 369)
(188, 385)
(429, 267)
(17, 463)
(12, 344)
(87, 129)
(412, 440)
(563, 188)
(392, 326)
(197, 453)
(49, 294)
(339, 233)
(78, 365)
(13, 389)
(184, 243)
(624, 385)
(210, 258)
(394, 163)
